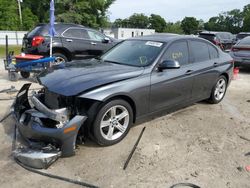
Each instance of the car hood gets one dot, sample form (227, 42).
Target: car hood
(79, 76)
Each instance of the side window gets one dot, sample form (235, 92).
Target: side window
(199, 51)
(76, 33)
(213, 52)
(95, 36)
(178, 51)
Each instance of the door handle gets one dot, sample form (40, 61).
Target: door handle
(69, 40)
(216, 64)
(189, 72)
(93, 43)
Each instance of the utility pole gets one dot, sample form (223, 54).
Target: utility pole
(20, 11)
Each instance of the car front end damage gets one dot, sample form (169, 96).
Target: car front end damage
(50, 133)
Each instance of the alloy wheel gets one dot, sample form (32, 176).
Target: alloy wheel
(114, 122)
(220, 89)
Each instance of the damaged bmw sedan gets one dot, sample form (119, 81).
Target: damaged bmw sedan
(103, 97)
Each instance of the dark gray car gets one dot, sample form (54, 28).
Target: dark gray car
(241, 53)
(103, 97)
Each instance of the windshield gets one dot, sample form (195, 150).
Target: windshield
(134, 53)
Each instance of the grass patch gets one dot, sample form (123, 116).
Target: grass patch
(15, 48)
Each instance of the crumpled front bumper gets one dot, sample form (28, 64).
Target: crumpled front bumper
(28, 112)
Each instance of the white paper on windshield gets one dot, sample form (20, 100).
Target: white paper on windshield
(155, 44)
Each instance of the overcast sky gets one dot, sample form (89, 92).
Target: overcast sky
(174, 10)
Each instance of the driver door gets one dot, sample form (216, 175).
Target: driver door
(172, 87)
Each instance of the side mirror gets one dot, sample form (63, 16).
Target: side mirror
(169, 64)
(106, 40)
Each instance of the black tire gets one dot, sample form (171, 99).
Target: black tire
(213, 99)
(25, 74)
(13, 76)
(60, 58)
(98, 136)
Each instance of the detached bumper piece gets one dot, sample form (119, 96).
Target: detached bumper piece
(37, 159)
(50, 134)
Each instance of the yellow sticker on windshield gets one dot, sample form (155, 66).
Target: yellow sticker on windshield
(155, 44)
(177, 55)
(143, 60)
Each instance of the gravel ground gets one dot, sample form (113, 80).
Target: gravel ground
(200, 144)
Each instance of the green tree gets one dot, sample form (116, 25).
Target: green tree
(138, 21)
(91, 13)
(246, 24)
(246, 18)
(190, 25)
(9, 18)
(118, 23)
(174, 28)
(29, 19)
(38, 8)
(213, 24)
(157, 22)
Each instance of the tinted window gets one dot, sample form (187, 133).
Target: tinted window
(35, 31)
(95, 36)
(213, 52)
(199, 50)
(209, 37)
(76, 33)
(177, 51)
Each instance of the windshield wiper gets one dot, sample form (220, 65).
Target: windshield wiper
(115, 62)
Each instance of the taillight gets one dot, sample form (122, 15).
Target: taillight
(216, 42)
(37, 40)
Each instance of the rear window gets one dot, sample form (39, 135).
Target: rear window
(225, 36)
(36, 31)
(245, 41)
(209, 37)
(42, 30)
(242, 36)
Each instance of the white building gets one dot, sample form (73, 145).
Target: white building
(124, 33)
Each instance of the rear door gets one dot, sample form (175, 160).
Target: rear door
(204, 58)
(77, 41)
(172, 86)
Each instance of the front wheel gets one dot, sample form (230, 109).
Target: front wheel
(112, 122)
(219, 90)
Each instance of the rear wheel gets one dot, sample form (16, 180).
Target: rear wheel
(112, 122)
(219, 90)
(59, 58)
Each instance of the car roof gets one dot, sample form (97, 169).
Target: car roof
(62, 24)
(248, 33)
(163, 37)
(213, 32)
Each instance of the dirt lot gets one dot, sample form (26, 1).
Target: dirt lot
(199, 144)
